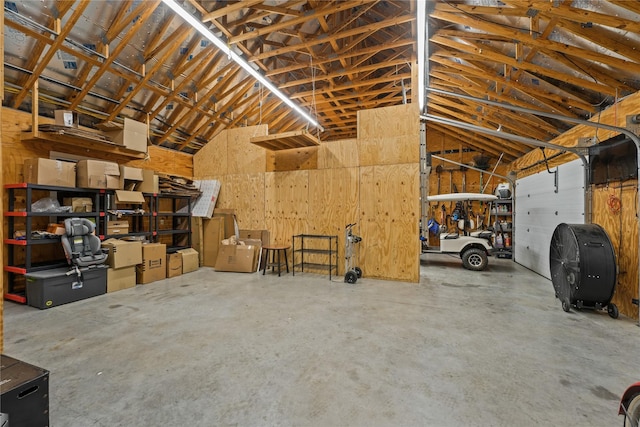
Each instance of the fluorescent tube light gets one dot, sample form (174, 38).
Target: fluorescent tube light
(199, 26)
(421, 39)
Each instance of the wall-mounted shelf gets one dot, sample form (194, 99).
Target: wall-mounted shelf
(286, 141)
(60, 138)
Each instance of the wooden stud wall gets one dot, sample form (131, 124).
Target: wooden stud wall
(319, 190)
(626, 221)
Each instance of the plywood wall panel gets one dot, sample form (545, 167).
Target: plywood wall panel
(286, 204)
(245, 193)
(242, 155)
(290, 160)
(333, 202)
(338, 154)
(212, 158)
(389, 210)
(389, 135)
(622, 228)
(389, 122)
(166, 161)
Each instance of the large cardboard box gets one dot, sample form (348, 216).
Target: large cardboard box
(130, 177)
(117, 227)
(212, 235)
(262, 235)
(237, 258)
(122, 253)
(258, 252)
(79, 204)
(121, 278)
(98, 174)
(150, 182)
(154, 260)
(174, 264)
(133, 135)
(50, 172)
(196, 237)
(190, 260)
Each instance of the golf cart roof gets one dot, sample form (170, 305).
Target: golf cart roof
(461, 197)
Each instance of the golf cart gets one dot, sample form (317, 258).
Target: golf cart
(474, 247)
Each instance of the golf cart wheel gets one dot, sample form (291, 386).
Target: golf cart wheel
(632, 417)
(358, 271)
(474, 259)
(351, 277)
(566, 306)
(612, 309)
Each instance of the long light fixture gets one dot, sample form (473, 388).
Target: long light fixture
(421, 39)
(220, 44)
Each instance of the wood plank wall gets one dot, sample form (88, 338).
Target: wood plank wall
(320, 190)
(621, 227)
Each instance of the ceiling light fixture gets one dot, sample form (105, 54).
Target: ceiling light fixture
(421, 19)
(220, 44)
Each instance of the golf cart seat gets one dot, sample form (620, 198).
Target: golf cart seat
(81, 246)
(483, 234)
(449, 236)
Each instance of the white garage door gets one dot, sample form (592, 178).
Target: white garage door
(539, 210)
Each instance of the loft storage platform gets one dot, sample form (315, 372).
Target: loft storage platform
(286, 141)
(78, 138)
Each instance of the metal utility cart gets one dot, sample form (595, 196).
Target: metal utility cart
(312, 247)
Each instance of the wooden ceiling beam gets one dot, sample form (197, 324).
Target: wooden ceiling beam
(182, 33)
(142, 13)
(562, 48)
(483, 145)
(44, 60)
(229, 9)
(390, 22)
(485, 54)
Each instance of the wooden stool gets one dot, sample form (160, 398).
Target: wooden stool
(275, 251)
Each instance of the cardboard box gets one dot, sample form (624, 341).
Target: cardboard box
(133, 135)
(150, 182)
(98, 174)
(79, 204)
(121, 278)
(122, 253)
(190, 260)
(153, 266)
(212, 235)
(130, 177)
(258, 252)
(196, 237)
(237, 258)
(117, 227)
(50, 172)
(129, 197)
(66, 118)
(262, 235)
(57, 229)
(174, 265)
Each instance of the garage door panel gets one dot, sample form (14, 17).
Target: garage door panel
(539, 209)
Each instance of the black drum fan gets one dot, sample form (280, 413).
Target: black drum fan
(583, 267)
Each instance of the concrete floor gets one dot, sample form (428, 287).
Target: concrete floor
(220, 349)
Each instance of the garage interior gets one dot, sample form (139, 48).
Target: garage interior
(223, 130)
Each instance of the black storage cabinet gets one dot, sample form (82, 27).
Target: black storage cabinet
(25, 393)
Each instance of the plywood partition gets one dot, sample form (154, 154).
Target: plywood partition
(319, 191)
(286, 204)
(625, 223)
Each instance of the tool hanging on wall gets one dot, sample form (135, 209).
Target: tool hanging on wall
(438, 174)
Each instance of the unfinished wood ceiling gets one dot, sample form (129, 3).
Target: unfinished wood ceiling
(114, 59)
(110, 59)
(570, 58)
